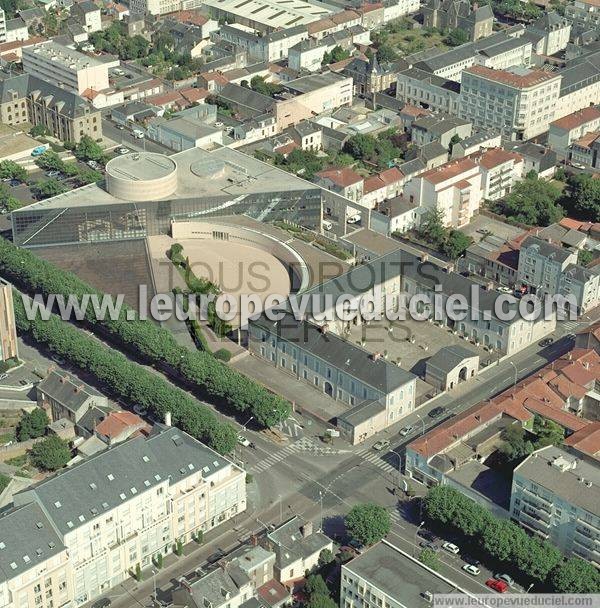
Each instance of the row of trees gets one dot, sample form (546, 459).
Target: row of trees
(145, 339)
(115, 40)
(508, 544)
(381, 150)
(452, 243)
(127, 380)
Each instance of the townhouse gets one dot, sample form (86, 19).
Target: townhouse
(382, 186)
(421, 88)
(441, 128)
(549, 33)
(118, 509)
(343, 181)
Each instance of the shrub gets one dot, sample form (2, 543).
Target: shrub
(223, 355)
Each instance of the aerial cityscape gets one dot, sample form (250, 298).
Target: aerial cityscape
(299, 303)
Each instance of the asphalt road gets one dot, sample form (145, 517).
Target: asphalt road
(124, 137)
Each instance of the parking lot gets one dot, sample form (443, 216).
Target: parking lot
(481, 225)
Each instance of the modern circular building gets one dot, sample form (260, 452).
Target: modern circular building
(141, 176)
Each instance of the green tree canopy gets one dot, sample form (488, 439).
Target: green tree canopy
(575, 576)
(456, 243)
(583, 199)
(11, 169)
(386, 53)
(48, 188)
(50, 454)
(368, 523)
(429, 558)
(88, 149)
(456, 37)
(50, 161)
(32, 424)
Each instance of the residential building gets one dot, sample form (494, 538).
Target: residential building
(550, 269)
(16, 29)
(479, 140)
(441, 128)
(549, 33)
(423, 89)
(155, 7)
(370, 76)
(586, 441)
(387, 576)
(297, 547)
(2, 25)
(382, 186)
(8, 331)
(536, 157)
(273, 46)
(500, 171)
(586, 150)
(518, 102)
(556, 496)
(580, 84)
(36, 570)
(122, 506)
(477, 21)
(585, 17)
(87, 14)
(64, 396)
(343, 181)
(28, 99)
(454, 188)
(565, 131)
(450, 366)
(493, 258)
(65, 67)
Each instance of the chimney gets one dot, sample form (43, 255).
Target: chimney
(307, 529)
(79, 388)
(167, 418)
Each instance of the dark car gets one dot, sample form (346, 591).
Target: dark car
(546, 342)
(427, 535)
(436, 412)
(103, 602)
(215, 557)
(471, 560)
(427, 545)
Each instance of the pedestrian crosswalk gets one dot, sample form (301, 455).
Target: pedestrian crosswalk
(568, 324)
(302, 445)
(376, 459)
(396, 517)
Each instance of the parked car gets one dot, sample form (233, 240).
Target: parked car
(38, 151)
(506, 578)
(120, 127)
(93, 164)
(139, 410)
(436, 412)
(407, 430)
(546, 342)
(138, 134)
(52, 173)
(243, 441)
(103, 602)
(58, 360)
(327, 225)
(496, 585)
(215, 557)
(427, 545)
(14, 182)
(471, 560)
(3, 376)
(382, 444)
(353, 219)
(471, 569)
(123, 150)
(451, 548)
(356, 545)
(426, 534)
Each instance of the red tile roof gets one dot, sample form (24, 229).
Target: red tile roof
(414, 111)
(344, 17)
(6, 47)
(588, 139)
(391, 176)
(193, 94)
(449, 170)
(577, 119)
(273, 592)
(494, 157)
(586, 440)
(286, 148)
(193, 17)
(318, 26)
(373, 183)
(531, 78)
(117, 422)
(342, 177)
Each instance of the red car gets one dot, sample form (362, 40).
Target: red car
(496, 585)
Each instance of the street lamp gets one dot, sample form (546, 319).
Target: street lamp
(422, 423)
(247, 422)
(154, 583)
(321, 502)
(511, 363)
(416, 534)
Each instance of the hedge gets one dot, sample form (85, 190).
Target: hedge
(143, 338)
(127, 380)
(537, 560)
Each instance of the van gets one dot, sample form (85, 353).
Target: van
(138, 134)
(327, 225)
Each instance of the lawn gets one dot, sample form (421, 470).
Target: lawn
(405, 41)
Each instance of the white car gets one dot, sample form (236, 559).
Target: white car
(123, 150)
(451, 548)
(92, 164)
(243, 441)
(471, 569)
(407, 430)
(382, 444)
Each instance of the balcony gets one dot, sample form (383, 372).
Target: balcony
(590, 552)
(590, 536)
(540, 510)
(588, 524)
(537, 526)
(537, 498)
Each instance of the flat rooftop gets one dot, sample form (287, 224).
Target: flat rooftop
(222, 173)
(398, 575)
(272, 13)
(141, 166)
(52, 51)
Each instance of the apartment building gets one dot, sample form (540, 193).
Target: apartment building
(35, 565)
(550, 33)
(343, 181)
(551, 269)
(87, 14)
(565, 131)
(518, 102)
(156, 7)
(65, 67)
(555, 495)
(585, 17)
(8, 331)
(122, 506)
(441, 128)
(423, 89)
(16, 30)
(479, 140)
(500, 171)
(384, 575)
(454, 189)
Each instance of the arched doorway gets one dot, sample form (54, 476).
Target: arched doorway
(328, 388)
(462, 374)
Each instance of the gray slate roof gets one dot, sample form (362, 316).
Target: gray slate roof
(67, 390)
(27, 539)
(449, 357)
(546, 249)
(85, 491)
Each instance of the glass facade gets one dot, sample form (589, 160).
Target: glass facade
(36, 226)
